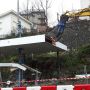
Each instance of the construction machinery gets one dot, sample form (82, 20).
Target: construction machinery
(51, 36)
(78, 13)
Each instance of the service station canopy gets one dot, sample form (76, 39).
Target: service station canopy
(31, 44)
(14, 65)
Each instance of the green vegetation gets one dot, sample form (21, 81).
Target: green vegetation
(68, 64)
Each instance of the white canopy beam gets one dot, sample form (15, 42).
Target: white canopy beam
(30, 44)
(14, 65)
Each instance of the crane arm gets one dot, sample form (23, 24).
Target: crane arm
(69, 14)
(79, 13)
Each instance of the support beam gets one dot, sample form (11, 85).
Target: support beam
(14, 65)
(31, 44)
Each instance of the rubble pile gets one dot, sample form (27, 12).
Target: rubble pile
(76, 34)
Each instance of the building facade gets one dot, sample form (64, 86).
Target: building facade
(38, 19)
(9, 21)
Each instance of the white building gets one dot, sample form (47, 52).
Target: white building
(85, 3)
(9, 21)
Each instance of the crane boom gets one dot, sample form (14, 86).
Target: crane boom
(66, 15)
(79, 13)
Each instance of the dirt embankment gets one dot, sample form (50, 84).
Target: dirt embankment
(76, 33)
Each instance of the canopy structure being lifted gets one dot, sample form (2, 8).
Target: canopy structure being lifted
(31, 44)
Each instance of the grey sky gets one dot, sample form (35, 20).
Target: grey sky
(57, 6)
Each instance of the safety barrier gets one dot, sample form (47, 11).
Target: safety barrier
(19, 88)
(6, 89)
(65, 87)
(45, 80)
(34, 88)
(48, 87)
(53, 87)
(82, 87)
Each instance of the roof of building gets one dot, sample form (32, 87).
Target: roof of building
(14, 13)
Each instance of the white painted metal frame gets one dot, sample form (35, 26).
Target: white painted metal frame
(22, 40)
(15, 65)
(29, 40)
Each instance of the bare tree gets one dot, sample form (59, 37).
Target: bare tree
(43, 5)
(38, 5)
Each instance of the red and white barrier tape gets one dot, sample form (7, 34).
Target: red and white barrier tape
(45, 80)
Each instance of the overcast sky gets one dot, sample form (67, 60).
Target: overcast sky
(56, 6)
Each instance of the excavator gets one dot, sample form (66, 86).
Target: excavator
(51, 36)
(79, 13)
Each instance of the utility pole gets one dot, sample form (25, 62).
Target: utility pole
(85, 72)
(27, 8)
(0, 77)
(18, 9)
(62, 6)
(46, 11)
(37, 78)
(19, 23)
(20, 72)
(72, 6)
(58, 17)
